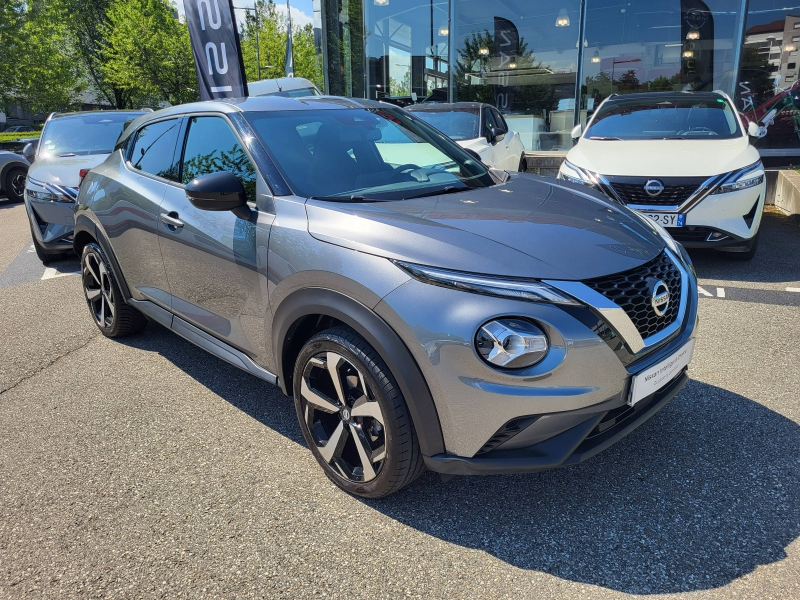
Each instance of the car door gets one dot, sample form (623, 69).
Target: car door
(216, 261)
(487, 150)
(130, 210)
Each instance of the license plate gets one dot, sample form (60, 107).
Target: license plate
(666, 219)
(656, 377)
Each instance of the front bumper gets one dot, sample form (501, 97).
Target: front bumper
(592, 435)
(52, 223)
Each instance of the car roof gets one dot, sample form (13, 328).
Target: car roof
(665, 95)
(444, 106)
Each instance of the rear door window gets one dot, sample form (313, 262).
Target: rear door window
(154, 149)
(212, 147)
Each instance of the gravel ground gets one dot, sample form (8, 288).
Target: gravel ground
(145, 468)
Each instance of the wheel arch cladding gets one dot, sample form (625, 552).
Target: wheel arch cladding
(86, 231)
(307, 311)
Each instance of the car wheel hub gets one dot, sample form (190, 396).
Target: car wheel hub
(344, 418)
(97, 288)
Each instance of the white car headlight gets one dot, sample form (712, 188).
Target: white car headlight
(746, 180)
(575, 174)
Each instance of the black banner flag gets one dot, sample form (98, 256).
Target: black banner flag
(506, 48)
(216, 49)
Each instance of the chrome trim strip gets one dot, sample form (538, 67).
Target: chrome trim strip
(616, 316)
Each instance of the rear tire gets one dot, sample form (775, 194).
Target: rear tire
(113, 317)
(15, 184)
(359, 429)
(747, 253)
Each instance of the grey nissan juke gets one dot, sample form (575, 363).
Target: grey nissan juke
(422, 309)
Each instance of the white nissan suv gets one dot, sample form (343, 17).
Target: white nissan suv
(683, 159)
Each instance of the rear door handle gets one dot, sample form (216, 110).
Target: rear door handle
(171, 220)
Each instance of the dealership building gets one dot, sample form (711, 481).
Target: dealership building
(547, 64)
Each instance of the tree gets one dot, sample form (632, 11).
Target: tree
(47, 76)
(661, 84)
(272, 33)
(12, 18)
(148, 53)
(87, 24)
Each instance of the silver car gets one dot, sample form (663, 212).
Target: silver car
(421, 309)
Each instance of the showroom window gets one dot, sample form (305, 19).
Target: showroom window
(344, 43)
(521, 57)
(768, 91)
(645, 46)
(407, 49)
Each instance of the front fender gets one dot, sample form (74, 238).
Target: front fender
(378, 334)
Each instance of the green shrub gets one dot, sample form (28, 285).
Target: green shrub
(8, 137)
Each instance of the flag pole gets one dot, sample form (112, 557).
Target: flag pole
(289, 53)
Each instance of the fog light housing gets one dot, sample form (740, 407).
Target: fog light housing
(511, 343)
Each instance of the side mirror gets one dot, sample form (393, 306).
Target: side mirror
(493, 134)
(473, 154)
(753, 130)
(29, 152)
(576, 132)
(218, 191)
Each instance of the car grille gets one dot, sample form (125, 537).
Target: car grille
(676, 190)
(631, 291)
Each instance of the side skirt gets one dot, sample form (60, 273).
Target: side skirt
(200, 338)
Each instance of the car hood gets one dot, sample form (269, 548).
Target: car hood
(663, 158)
(530, 227)
(63, 170)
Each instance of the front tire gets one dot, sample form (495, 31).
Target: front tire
(353, 416)
(15, 184)
(113, 317)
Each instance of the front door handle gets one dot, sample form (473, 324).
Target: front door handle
(172, 221)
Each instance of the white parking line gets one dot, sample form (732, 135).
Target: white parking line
(705, 293)
(720, 292)
(791, 289)
(51, 273)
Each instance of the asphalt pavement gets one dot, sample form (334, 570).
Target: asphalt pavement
(146, 468)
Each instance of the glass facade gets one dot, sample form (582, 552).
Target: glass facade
(547, 65)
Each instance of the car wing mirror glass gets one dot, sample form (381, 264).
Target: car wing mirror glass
(29, 152)
(218, 192)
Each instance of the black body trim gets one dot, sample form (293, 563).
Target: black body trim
(379, 335)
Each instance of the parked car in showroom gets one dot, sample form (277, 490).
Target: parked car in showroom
(13, 170)
(478, 127)
(445, 316)
(71, 144)
(683, 159)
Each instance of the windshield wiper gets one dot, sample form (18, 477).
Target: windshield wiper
(352, 198)
(450, 189)
(601, 138)
(67, 154)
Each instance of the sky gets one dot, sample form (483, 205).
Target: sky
(301, 10)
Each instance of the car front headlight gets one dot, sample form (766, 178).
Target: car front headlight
(516, 289)
(752, 178)
(575, 174)
(41, 196)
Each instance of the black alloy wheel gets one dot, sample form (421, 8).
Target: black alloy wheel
(111, 314)
(353, 416)
(15, 184)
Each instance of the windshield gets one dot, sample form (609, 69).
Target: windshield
(659, 117)
(361, 154)
(79, 135)
(459, 124)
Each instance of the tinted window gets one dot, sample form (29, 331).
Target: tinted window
(501, 122)
(211, 147)
(154, 149)
(376, 153)
(84, 134)
(665, 117)
(488, 121)
(456, 124)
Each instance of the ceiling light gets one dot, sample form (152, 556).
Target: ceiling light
(483, 51)
(688, 54)
(381, 2)
(444, 30)
(512, 65)
(693, 34)
(791, 48)
(562, 20)
(596, 57)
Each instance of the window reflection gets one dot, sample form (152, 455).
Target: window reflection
(522, 58)
(768, 91)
